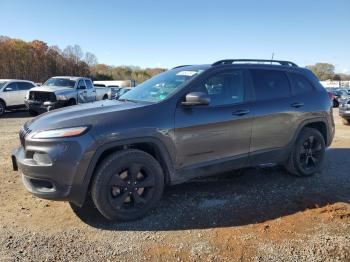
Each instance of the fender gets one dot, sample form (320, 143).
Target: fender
(310, 121)
(79, 193)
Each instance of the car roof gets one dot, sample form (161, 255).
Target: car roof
(71, 77)
(17, 80)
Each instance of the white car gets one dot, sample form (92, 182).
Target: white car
(13, 93)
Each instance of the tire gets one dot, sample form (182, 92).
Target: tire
(346, 121)
(335, 103)
(32, 112)
(88, 212)
(71, 102)
(127, 184)
(105, 97)
(307, 155)
(2, 108)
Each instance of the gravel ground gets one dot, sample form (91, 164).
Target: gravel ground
(259, 214)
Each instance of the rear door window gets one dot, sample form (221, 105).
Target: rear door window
(270, 84)
(89, 84)
(81, 84)
(22, 86)
(300, 84)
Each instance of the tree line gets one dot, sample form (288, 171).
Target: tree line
(326, 71)
(36, 61)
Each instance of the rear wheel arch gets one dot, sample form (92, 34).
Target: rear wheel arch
(319, 124)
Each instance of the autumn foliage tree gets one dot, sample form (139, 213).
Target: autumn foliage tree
(37, 61)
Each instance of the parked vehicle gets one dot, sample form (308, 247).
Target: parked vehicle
(102, 92)
(187, 122)
(12, 93)
(60, 91)
(121, 92)
(344, 110)
(105, 92)
(336, 95)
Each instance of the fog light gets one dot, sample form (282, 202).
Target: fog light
(42, 159)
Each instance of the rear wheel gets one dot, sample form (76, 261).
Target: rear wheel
(346, 121)
(307, 155)
(127, 185)
(105, 97)
(2, 108)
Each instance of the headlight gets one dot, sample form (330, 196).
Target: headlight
(64, 132)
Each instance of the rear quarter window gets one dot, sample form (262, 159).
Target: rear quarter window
(300, 84)
(270, 84)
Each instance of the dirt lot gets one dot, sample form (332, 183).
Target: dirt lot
(262, 215)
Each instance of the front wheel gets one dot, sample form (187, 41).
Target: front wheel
(127, 184)
(307, 154)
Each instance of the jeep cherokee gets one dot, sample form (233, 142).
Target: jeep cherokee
(187, 122)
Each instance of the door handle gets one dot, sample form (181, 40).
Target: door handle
(297, 104)
(240, 112)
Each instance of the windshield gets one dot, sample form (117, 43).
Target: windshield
(2, 84)
(65, 82)
(161, 86)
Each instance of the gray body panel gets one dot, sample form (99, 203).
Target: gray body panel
(187, 141)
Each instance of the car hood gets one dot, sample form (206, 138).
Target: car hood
(90, 114)
(51, 88)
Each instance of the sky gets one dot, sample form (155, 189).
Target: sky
(164, 33)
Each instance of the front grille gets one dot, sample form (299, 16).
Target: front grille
(42, 96)
(23, 133)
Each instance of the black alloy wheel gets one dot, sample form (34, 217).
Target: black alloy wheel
(127, 184)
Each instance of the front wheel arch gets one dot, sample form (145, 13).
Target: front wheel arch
(162, 156)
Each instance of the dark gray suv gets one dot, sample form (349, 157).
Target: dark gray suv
(188, 122)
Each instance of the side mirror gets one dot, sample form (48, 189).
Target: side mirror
(196, 98)
(8, 89)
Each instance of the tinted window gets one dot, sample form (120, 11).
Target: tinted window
(24, 85)
(300, 84)
(89, 84)
(12, 85)
(224, 88)
(81, 84)
(270, 84)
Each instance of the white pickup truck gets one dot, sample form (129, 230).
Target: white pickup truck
(12, 93)
(61, 91)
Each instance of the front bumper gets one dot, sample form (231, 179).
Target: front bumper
(42, 107)
(60, 179)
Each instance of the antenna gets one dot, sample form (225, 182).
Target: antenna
(273, 54)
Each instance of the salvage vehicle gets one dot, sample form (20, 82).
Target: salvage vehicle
(60, 91)
(12, 93)
(122, 91)
(190, 121)
(104, 92)
(344, 110)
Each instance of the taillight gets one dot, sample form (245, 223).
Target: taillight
(330, 95)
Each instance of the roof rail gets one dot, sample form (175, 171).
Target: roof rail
(180, 66)
(232, 61)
